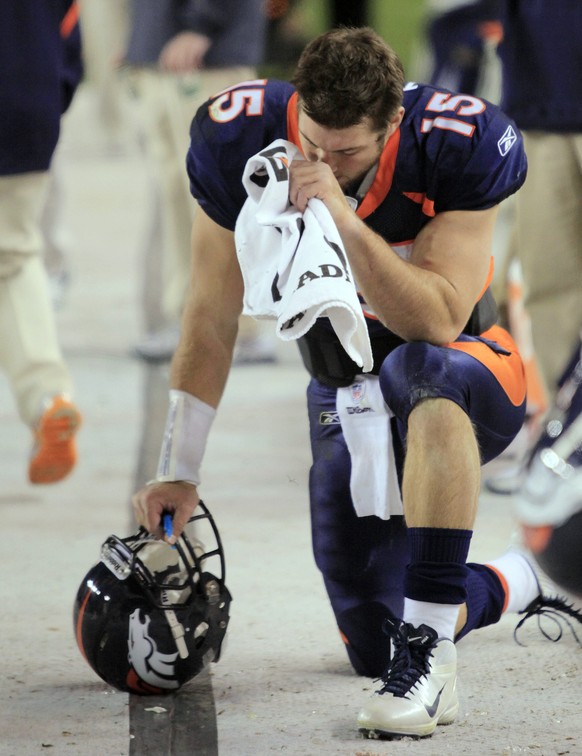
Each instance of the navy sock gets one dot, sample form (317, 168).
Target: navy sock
(485, 598)
(437, 571)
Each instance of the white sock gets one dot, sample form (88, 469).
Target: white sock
(441, 617)
(518, 578)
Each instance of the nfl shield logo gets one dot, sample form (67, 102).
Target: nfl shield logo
(357, 390)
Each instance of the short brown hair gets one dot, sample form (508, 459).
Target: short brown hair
(347, 75)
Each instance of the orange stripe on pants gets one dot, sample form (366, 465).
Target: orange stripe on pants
(507, 369)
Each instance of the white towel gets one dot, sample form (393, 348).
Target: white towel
(365, 421)
(294, 266)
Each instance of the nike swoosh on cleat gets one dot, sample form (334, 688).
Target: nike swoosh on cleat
(421, 638)
(431, 710)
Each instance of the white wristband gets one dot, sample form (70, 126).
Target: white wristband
(187, 427)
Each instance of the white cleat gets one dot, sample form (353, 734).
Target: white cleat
(419, 688)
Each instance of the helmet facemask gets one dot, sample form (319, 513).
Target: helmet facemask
(156, 612)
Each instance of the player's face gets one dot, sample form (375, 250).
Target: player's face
(350, 152)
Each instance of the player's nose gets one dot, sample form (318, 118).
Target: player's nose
(326, 157)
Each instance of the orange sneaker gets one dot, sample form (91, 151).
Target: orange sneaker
(54, 453)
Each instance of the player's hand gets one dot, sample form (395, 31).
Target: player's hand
(184, 53)
(310, 179)
(152, 501)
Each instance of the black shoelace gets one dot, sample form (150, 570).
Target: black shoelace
(557, 612)
(411, 651)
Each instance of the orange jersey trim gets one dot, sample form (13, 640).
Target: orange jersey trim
(489, 277)
(508, 369)
(383, 179)
(293, 121)
(421, 199)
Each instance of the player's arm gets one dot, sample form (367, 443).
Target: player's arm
(430, 297)
(199, 372)
(210, 319)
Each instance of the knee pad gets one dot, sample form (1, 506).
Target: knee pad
(416, 371)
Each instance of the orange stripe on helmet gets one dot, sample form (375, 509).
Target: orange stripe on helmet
(137, 685)
(79, 628)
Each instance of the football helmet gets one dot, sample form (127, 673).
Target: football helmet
(549, 503)
(149, 616)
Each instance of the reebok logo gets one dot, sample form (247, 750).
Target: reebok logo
(507, 141)
(329, 418)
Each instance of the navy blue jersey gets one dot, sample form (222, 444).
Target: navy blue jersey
(228, 130)
(451, 152)
(40, 60)
(542, 62)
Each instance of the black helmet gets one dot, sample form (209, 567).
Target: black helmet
(149, 617)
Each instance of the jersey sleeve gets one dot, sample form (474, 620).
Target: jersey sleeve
(473, 153)
(226, 131)
(215, 195)
(494, 169)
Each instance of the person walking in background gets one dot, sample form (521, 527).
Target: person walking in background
(104, 34)
(541, 55)
(539, 279)
(40, 59)
(179, 53)
(538, 49)
(459, 35)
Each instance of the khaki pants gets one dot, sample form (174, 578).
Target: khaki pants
(167, 104)
(548, 241)
(29, 350)
(104, 30)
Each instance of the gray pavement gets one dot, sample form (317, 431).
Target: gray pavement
(283, 683)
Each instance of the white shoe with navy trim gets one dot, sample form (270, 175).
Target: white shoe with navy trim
(418, 689)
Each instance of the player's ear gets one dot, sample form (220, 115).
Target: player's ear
(396, 120)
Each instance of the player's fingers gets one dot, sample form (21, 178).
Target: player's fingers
(184, 510)
(148, 506)
(139, 508)
(299, 196)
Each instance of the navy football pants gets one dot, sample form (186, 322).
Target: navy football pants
(362, 560)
